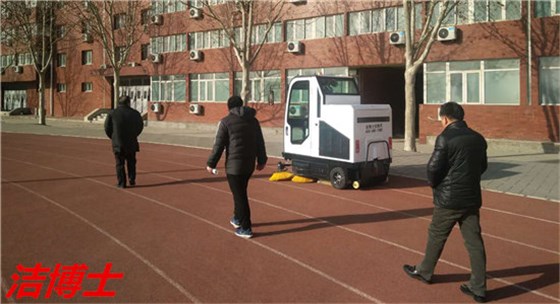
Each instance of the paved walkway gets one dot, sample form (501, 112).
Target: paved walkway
(531, 174)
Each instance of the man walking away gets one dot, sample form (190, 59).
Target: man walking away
(123, 126)
(240, 134)
(454, 173)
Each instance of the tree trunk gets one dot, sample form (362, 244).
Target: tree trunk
(116, 86)
(410, 110)
(244, 93)
(41, 105)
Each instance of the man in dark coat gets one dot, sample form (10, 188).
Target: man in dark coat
(454, 173)
(123, 126)
(240, 134)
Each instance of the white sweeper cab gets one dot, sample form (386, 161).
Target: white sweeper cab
(329, 134)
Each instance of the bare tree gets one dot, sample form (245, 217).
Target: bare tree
(29, 27)
(417, 48)
(117, 25)
(238, 19)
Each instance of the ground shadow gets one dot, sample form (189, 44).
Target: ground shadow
(57, 179)
(548, 275)
(342, 220)
(209, 179)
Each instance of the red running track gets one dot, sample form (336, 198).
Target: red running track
(170, 236)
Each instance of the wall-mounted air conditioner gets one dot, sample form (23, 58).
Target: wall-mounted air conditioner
(156, 58)
(195, 109)
(103, 66)
(156, 19)
(18, 69)
(447, 33)
(195, 13)
(86, 37)
(396, 38)
(157, 107)
(195, 55)
(294, 47)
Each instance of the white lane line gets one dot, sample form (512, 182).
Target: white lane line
(334, 196)
(114, 239)
(414, 216)
(157, 202)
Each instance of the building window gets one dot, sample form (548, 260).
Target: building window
(87, 57)
(168, 6)
(545, 8)
(169, 88)
(381, 20)
(472, 11)
(209, 87)
(145, 17)
(264, 86)
(199, 3)
(25, 59)
(549, 78)
(86, 28)
(169, 44)
(274, 35)
(61, 60)
(7, 60)
(61, 87)
(478, 82)
(87, 86)
(119, 21)
(145, 51)
(315, 28)
(60, 31)
(119, 53)
(208, 40)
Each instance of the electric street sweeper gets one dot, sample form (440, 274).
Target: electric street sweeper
(329, 134)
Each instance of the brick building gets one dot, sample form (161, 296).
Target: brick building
(501, 60)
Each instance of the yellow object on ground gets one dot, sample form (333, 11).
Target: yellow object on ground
(302, 179)
(281, 176)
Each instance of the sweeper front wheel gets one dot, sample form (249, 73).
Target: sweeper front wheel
(339, 178)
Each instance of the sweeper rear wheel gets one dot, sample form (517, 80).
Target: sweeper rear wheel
(339, 178)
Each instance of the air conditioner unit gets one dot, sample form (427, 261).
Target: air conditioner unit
(156, 107)
(18, 69)
(87, 37)
(156, 19)
(396, 38)
(86, 4)
(447, 33)
(195, 109)
(156, 58)
(195, 55)
(103, 66)
(295, 47)
(195, 13)
(298, 1)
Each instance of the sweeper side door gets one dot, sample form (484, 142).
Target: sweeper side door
(301, 118)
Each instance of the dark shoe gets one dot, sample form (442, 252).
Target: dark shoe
(466, 290)
(244, 233)
(132, 183)
(235, 222)
(121, 186)
(411, 271)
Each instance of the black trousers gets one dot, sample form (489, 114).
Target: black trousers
(443, 221)
(130, 159)
(241, 211)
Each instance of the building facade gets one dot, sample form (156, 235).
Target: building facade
(499, 59)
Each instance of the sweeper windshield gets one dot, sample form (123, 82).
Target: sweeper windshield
(338, 86)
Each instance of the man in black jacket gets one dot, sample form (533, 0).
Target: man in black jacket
(240, 135)
(454, 173)
(123, 126)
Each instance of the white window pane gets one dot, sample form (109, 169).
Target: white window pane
(456, 87)
(390, 19)
(353, 24)
(339, 25)
(179, 90)
(377, 21)
(222, 90)
(473, 88)
(365, 24)
(309, 28)
(320, 27)
(194, 90)
(513, 9)
(501, 87)
(494, 10)
(435, 84)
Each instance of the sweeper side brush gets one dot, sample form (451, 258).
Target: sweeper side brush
(282, 174)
